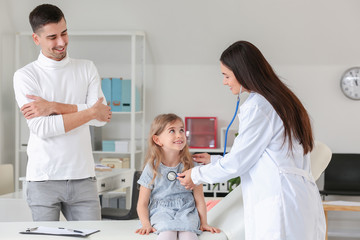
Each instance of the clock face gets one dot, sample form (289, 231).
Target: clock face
(350, 83)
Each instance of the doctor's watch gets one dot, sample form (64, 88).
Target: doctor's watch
(350, 83)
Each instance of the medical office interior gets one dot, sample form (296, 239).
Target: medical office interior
(177, 47)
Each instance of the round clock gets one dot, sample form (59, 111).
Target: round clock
(350, 83)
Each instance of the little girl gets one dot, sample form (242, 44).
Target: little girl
(165, 206)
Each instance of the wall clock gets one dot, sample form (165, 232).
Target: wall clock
(350, 83)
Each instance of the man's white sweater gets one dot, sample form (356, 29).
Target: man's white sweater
(52, 153)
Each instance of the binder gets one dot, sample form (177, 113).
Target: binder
(126, 95)
(106, 88)
(116, 93)
(60, 231)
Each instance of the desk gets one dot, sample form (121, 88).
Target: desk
(339, 206)
(109, 230)
(106, 180)
(116, 179)
(13, 206)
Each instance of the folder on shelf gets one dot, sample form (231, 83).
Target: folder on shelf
(116, 92)
(126, 95)
(106, 88)
(60, 231)
(108, 145)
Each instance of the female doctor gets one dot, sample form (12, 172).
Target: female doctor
(270, 154)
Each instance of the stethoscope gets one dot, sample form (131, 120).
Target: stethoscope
(171, 176)
(232, 120)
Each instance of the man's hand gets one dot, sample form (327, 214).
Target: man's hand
(38, 107)
(101, 112)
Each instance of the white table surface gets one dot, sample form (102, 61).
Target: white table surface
(109, 230)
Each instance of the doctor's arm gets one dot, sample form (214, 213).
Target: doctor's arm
(255, 134)
(201, 207)
(143, 211)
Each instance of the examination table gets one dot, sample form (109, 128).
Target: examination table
(226, 215)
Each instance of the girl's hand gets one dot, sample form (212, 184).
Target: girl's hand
(185, 179)
(206, 227)
(203, 158)
(145, 230)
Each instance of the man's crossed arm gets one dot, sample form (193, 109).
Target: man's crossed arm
(71, 117)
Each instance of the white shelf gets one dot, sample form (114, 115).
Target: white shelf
(96, 33)
(209, 150)
(116, 153)
(127, 113)
(344, 233)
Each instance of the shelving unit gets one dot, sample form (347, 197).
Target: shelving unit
(115, 54)
(210, 190)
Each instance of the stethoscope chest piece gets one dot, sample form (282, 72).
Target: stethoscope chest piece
(171, 176)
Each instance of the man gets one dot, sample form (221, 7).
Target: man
(60, 97)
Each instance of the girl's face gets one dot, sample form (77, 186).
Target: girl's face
(229, 79)
(172, 138)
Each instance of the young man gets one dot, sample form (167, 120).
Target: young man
(60, 97)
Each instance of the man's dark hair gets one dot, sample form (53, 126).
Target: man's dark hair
(44, 14)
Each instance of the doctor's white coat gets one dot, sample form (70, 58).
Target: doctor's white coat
(281, 199)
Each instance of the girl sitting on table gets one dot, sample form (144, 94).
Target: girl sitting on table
(165, 206)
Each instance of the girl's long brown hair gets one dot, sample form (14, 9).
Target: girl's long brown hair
(254, 73)
(154, 155)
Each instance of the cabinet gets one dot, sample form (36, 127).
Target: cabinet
(201, 132)
(115, 54)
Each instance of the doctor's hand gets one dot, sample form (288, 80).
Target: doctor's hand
(203, 158)
(185, 179)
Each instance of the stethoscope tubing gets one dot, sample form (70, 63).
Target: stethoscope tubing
(232, 120)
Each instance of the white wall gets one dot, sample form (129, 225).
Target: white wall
(309, 43)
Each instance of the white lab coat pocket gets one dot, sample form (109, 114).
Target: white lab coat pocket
(268, 219)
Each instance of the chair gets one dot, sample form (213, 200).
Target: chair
(125, 214)
(342, 176)
(6, 178)
(320, 157)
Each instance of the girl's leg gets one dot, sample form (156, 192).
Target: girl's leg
(188, 236)
(168, 235)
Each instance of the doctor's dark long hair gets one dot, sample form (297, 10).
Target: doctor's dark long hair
(255, 74)
(155, 153)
